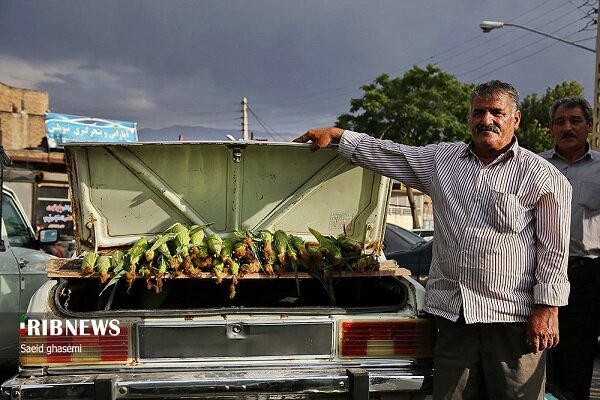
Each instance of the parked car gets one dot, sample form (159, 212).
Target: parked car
(355, 335)
(409, 250)
(22, 272)
(397, 238)
(425, 233)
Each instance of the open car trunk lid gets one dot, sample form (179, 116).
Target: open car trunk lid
(124, 191)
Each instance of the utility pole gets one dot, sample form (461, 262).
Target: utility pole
(244, 119)
(596, 127)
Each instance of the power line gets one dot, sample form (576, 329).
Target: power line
(271, 132)
(403, 68)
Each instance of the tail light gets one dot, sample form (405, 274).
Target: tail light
(386, 339)
(67, 348)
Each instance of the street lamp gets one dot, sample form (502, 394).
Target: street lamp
(487, 26)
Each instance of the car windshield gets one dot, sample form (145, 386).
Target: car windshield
(400, 239)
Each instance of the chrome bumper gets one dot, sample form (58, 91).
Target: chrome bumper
(352, 383)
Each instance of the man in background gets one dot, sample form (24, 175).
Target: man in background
(572, 361)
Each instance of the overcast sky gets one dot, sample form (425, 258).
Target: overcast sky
(299, 62)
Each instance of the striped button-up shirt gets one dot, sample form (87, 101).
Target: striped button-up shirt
(584, 176)
(501, 230)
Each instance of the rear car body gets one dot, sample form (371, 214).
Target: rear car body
(277, 338)
(22, 272)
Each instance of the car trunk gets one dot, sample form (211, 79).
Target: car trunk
(125, 191)
(302, 332)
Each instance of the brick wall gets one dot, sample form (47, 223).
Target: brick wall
(22, 117)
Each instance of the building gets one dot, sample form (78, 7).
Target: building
(37, 175)
(22, 117)
(399, 210)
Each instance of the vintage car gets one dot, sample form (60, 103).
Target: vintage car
(359, 333)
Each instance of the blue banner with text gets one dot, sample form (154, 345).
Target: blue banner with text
(62, 129)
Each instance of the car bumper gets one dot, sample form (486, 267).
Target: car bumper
(353, 383)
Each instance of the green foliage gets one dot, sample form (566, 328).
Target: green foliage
(534, 131)
(424, 106)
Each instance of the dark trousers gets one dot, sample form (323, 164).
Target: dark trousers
(486, 361)
(571, 363)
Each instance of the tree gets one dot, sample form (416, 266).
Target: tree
(423, 106)
(534, 131)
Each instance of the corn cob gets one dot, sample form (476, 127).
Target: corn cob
(368, 262)
(251, 261)
(163, 264)
(88, 262)
(178, 246)
(227, 252)
(197, 234)
(280, 242)
(160, 246)
(301, 249)
(199, 255)
(135, 253)
(328, 247)
(293, 259)
(197, 247)
(217, 268)
(181, 240)
(234, 269)
(351, 247)
(102, 267)
(248, 253)
(268, 254)
(215, 244)
(144, 270)
(182, 245)
(251, 267)
(199, 250)
(267, 239)
(117, 261)
(174, 264)
(239, 249)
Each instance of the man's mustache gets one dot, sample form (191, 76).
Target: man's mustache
(568, 134)
(489, 128)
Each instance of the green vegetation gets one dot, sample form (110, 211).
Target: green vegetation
(424, 106)
(534, 132)
(430, 106)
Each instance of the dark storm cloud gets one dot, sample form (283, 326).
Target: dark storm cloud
(190, 62)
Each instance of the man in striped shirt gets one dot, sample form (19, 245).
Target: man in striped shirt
(498, 272)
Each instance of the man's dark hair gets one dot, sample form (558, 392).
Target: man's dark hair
(572, 102)
(493, 88)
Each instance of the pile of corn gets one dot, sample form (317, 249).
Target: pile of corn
(193, 251)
